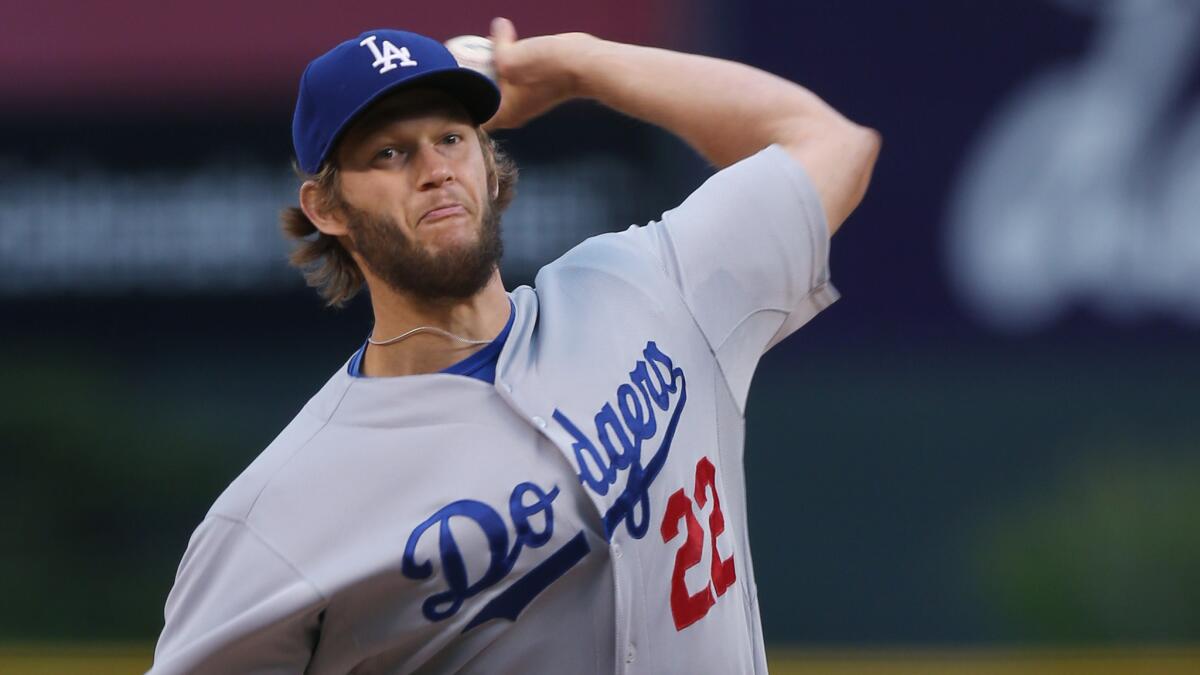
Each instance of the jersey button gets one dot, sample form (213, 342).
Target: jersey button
(630, 654)
(541, 423)
(507, 387)
(616, 549)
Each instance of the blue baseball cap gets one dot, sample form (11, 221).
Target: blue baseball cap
(342, 83)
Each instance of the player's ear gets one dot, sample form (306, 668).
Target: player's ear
(326, 218)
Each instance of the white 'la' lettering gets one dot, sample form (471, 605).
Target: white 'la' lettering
(389, 54)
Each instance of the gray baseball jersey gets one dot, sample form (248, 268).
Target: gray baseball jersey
(584, 514)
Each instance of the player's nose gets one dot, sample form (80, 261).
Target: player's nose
(435, 167)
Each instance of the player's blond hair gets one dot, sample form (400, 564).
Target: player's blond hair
(326, 264)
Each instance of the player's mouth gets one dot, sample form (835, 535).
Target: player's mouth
(442, 211)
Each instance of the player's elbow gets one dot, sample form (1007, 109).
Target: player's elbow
(855, 152)
(863, 152)
(840, 157)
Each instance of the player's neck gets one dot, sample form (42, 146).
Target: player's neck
(480, 317)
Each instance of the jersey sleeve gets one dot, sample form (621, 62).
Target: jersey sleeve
(749, 252)
(237, 607)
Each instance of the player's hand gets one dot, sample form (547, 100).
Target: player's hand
(534, 74)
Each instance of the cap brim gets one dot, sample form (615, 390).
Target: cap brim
(477, 93)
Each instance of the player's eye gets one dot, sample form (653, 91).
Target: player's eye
(452, 139)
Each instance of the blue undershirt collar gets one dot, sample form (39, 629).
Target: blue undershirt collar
(481, 365)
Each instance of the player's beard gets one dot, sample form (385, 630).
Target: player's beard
(406, 267)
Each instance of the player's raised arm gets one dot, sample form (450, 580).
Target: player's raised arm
(726, 111)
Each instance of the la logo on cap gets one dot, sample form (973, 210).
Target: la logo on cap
(388, 56)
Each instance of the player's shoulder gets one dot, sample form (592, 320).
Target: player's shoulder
(745, 188)
(767, 181)
(238, 499)
(606, 249)
(625, 257)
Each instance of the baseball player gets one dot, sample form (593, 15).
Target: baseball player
(541, 480)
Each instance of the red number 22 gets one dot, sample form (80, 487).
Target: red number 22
(687, 608)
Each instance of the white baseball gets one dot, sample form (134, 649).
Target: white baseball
(474, 52)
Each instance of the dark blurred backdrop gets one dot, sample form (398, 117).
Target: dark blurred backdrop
(991, 439)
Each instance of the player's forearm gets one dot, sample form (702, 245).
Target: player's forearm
(725, 110)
